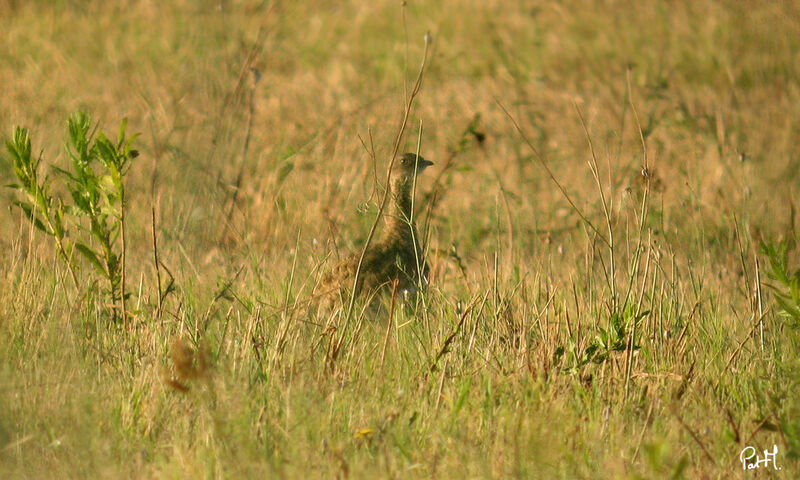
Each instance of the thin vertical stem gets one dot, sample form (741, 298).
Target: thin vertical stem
(155, 261)
(389, 325)
(123, 259)
(760, 305)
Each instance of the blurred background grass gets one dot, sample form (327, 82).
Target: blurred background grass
(254, 117)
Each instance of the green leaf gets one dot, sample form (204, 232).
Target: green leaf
(79, 124)
(65, 173)
(106, 182)
(91, 256)
(41, 201)
(80, 200)
(106, 151)
(129, 142)
(109, 211)
(28, 211)
(20, 146)
(74, 211)
(121, 138)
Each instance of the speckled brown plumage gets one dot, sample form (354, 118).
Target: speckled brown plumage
(397, 255)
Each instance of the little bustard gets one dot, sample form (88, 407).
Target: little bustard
(396, 259)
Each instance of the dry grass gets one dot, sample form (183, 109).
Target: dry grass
(518, 361)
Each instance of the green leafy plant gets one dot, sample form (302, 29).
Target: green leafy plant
(785, 283)
(45, 212)
(605, 343)
(785, 286)
(97, 208)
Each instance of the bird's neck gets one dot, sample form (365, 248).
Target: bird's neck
(399, 222)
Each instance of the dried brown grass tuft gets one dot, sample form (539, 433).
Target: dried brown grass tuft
(189, 364)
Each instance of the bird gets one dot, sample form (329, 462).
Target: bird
(396, 260)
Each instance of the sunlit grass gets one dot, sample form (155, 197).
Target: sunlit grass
(542, 351)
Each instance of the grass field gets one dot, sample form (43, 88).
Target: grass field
(599, 304)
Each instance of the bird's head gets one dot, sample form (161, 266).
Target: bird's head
(411, 164)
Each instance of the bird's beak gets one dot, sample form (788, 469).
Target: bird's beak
(423, 164)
